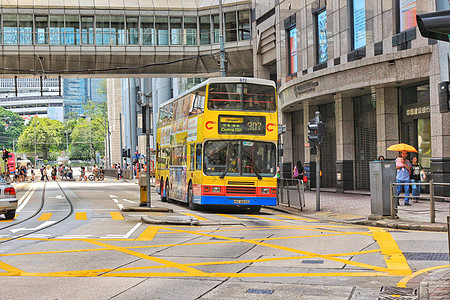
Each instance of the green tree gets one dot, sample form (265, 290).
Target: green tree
(11, 127)
(47, 133)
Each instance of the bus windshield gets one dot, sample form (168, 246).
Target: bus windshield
(241, 96)
(239, 158)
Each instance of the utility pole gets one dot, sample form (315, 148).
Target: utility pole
(121, 145)
(35, 157)
(316, 137)
(318, 168)
(223, 69)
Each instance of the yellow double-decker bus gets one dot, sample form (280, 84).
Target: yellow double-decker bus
(216, 144)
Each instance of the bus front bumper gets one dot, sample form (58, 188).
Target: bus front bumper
(236, 200)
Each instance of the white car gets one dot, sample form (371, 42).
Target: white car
(8, 200)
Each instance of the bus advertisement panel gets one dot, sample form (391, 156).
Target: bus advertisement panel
(216, 144)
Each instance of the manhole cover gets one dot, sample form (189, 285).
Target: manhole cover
(257, 291)
(398, 293)
(426, 256)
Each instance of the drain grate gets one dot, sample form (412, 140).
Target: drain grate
(397, 293)
(311, 261)
(426, 256)
(258, 291)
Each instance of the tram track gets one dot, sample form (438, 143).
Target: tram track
(41, 205)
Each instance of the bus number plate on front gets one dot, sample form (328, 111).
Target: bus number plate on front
(241, 201)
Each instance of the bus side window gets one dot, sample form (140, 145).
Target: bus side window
(192, 157)
(198, 154)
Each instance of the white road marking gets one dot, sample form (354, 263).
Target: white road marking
(45, 224)
(112, 196)
(129, 201)
(74, 236)
(115, 200)
(25, 200)
(125, 236)
(59, 197)
(120, 206)
(3, 235)
(36, 235)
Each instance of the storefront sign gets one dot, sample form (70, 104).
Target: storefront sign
(417, 111)
(304, 88)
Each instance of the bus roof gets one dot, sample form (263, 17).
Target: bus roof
(222, 80)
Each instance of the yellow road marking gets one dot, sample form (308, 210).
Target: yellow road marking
(395, 261)
(405, 280)
(195, 216)
(171, 264)
(15, 216)
(10, 269)
(80, 216)
(348, 262)
(45, 217)
(115, 215)
(295, 218)
(148, 234)
(228, 216)
(265, 218)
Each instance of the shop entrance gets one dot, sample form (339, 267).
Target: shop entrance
(365, 138)
(328, 152)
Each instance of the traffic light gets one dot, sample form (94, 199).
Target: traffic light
(124, 152)
(5, 154)
(129, 153)
(435, 25)
(313, 136)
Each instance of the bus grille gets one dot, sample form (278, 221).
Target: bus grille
(241, 183)
(240, 190)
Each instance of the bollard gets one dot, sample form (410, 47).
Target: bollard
(432, 206)
(143, 194)
(391, 189)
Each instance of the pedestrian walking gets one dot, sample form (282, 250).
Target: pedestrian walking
(403, 166)
(32, 174)
(119, 173)
(44, 174)
(297, 173)
(83, 174)
(381, 157)
(417, 175)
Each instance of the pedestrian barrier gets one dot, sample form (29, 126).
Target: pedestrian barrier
(432, 197)
(291, 192)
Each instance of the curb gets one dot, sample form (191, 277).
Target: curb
(173, 220)
(147, 209)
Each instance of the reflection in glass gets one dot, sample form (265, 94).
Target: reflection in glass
(72, 29)
(190, 31)
(41, 23)
(175, 31)
(205, 30)
(216, 28)
(230, 27)
(56, 30)
(25, 29)
(147, 31)
(87, 30)
(10, 29)
(162, 29)
(132, 31)
(102, 34)
(244, 25)
(117, 30)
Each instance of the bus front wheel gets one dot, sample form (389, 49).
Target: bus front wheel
(192, 205)
(254, 208)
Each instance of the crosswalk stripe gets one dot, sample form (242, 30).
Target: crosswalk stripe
(228, 216)
(116, 215)
(45, 217)
(80, 216)
(195, 216)
(265, 218)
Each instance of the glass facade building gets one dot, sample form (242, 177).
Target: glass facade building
(78, 92)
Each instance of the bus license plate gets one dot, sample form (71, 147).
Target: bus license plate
(241, 201)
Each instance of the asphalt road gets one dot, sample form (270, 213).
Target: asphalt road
(99, 252)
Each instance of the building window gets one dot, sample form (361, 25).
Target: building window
(57, 30)
(190, 31)
(359, 24)
(230, 27)
(147, 31)
(72, 30)
(205, 30)
(175, 31)
(87, 30)
(216, 24)
(162, 29)
(244, 25)
(10, 29)
(407, 14)
(102, 34)
(322, 43)
(117, 31)
(132, 31)
(292, 45)
(41, 23)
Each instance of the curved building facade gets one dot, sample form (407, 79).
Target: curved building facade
(365, 67)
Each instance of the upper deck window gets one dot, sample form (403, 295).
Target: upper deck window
(241, 96)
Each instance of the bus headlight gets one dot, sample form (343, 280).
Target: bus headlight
(265, 191)
(216, 189)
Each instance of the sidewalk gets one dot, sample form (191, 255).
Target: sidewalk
(436, 285)
(351, 208)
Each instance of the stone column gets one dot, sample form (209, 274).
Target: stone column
(286, 119)
(309, 112)
(306, 118)
(387, 121)
(345, 143)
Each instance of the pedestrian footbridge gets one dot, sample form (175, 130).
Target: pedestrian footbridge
(123, 38)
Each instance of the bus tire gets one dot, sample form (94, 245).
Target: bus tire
(9, 215)
(254, 208)
(192, 205)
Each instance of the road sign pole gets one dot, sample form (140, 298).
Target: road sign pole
(318, 178)
(149, 190)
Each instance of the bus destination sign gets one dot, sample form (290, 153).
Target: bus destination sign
(242, 125)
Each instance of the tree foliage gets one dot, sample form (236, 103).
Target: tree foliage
(47, 133)
(11, 127)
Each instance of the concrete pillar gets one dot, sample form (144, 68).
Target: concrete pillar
(286, 119)
(114, 97)
(306, 118)
(387, 120)
(345, 143)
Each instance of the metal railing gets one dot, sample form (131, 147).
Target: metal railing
(432, 197)
(291, 192)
